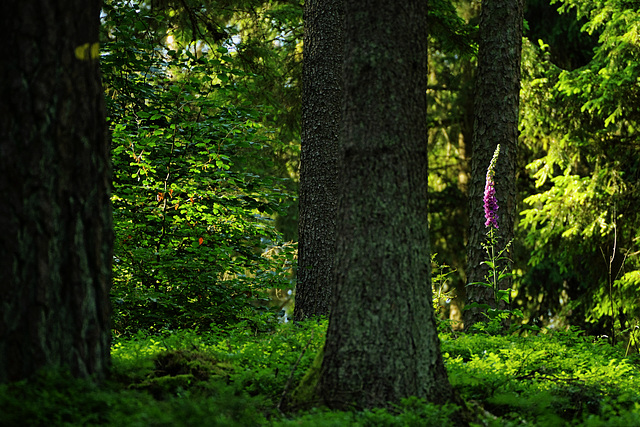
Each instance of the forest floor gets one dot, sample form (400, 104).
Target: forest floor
(243, 377)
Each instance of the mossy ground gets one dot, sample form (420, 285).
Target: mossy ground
(239, 378)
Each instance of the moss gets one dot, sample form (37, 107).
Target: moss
(181, 369)
(200, 365)
(164, 387)
(305, 395)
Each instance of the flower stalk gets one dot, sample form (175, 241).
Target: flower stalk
(495, 257)
(490, 200)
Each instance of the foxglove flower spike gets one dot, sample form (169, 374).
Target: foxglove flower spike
(490, 201)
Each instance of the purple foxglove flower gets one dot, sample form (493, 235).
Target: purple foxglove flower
(490, 200)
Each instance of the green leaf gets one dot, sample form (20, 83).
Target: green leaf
(489, 264)
(489, 285)
(476, 305)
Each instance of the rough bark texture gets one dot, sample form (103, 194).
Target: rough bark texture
(321, 103)
(56, 239)
(496, 122)
(382, 342)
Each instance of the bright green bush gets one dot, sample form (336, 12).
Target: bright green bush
(193, 208)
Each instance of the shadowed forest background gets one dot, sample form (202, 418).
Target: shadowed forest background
(204, 108)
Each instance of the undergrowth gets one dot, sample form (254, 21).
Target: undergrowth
(241, 378)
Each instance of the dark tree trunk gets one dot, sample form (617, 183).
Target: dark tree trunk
(56, 239)
(496, 122)
(321, 103)
(382, 342)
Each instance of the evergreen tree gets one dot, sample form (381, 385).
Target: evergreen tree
(382, 342)
(56, 240)
(321, 100)
(581, 223)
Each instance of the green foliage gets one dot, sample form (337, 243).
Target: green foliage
(304, 395)
(570, 48)
(204, 110)
(449, 30)
(440, 277)
(582, 220)
(234, 377)
(497, 261)
(550, 378)
(545, 379)
(442, 292)
(409, 412)
(52, 398)
(496, 313)
(450, 121)
(205, 126)
(55, 398)
(193, 214)
(258, 364)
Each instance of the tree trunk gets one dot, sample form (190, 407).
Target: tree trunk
(496, 122)
(382, 343)
(56, 240)
(321, 103)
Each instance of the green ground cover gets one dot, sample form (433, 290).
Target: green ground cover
(243, 377)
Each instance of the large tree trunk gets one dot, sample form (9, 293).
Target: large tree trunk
(496, 122)
(321, 103)
(382, 342)
(56, 239)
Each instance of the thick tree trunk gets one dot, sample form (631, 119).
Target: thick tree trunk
(496, 122)
(321, 103)
(382, 341)
(55, 245)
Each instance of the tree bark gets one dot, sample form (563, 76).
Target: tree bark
(382, 343)
(56, 240)
(321, 104)
(496, 122)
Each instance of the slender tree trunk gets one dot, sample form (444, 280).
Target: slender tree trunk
(321, 101)
(56, 239)
(465, 137)
(496, 122)
(382, 342)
